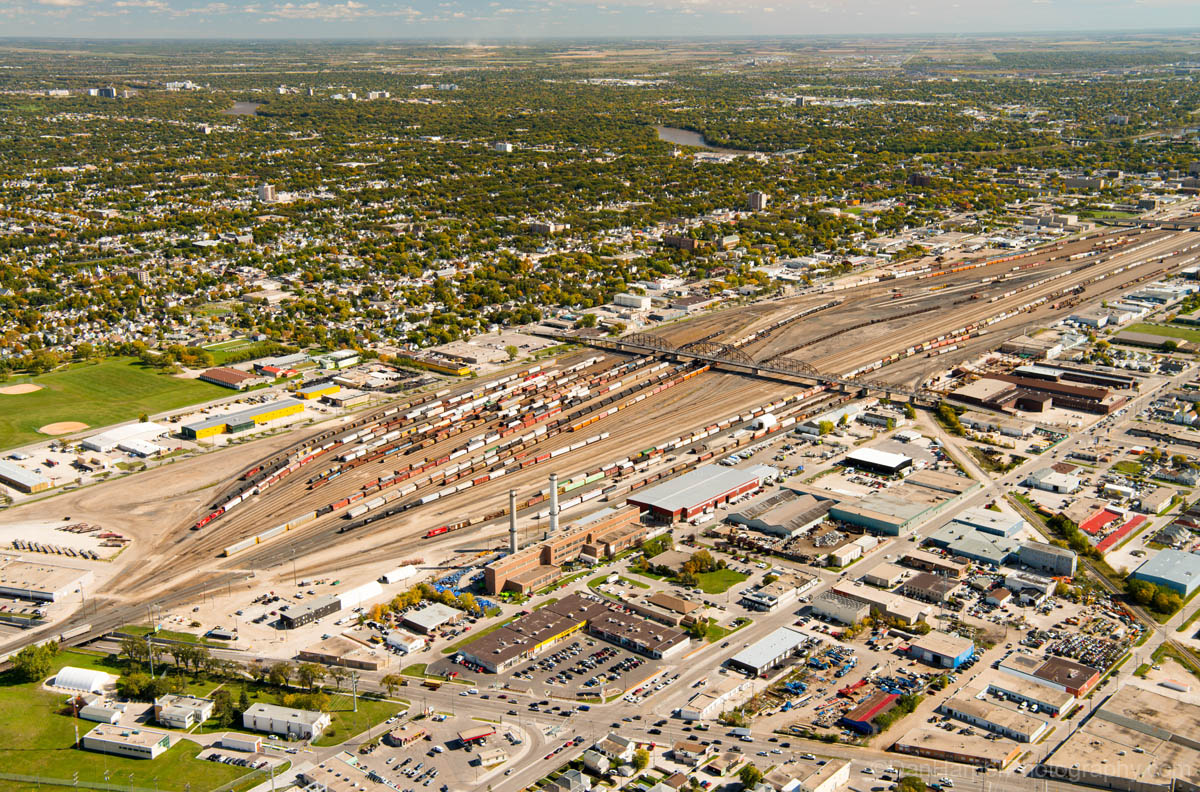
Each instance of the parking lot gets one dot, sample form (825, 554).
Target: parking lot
(438, 760)
(582, 667)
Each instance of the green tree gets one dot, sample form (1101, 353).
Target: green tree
(825, 427)
(750, 776)
(279, 674)
(512, 352)
(390, 682)
(910, 783)
(34, 662)
(641, 759)
(309, 674)
(587, 320)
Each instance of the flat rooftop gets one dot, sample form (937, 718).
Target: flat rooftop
(691, 489)
(769, 647)
(243, 416)
(927, 738)
(943, 644)
(126, 735)
(1058, 699)
(19, 475)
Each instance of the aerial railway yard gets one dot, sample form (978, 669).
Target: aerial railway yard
(430, 474)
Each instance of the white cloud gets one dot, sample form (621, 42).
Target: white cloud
(151, 5)
(61, 3)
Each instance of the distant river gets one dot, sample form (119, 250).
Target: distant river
(242, 108)
(686, 137)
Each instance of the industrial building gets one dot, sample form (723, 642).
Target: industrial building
(884, 575)
(1005, 392)
(317, 390)
(130, 742)
(285, 721)
(405, 641)
(886, 603)
(928, 587)
(862, 718)
(1177, 570)
(1058, 673)
(235, 379)
(941, 649)
(989, 521)
(724, 694)
(22, 480)
(243, 419)
(1154, 736)
(962, 540)
(341, 651)
(934, 743)
(299, 614)
(430, 617)
(769, 651)
(873, 460)
(1047, 699)
(690, 494)
(786, 514)
(844, 610)
(1050, 480)
(41, 582)
(1010, 723)
(1047, 558)
(931, 562)
(828, 777)
(602, 536)
(127, 435)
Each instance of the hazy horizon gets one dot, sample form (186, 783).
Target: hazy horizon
(538, 19)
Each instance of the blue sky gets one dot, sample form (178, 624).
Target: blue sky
(489, 19)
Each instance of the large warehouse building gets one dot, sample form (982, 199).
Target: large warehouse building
(33, 580)
(693, 492)
(21, 479)
(768, 652)
(242, 420)
(1177, 570)
(873, 460)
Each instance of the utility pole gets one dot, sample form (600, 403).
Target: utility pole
(354, 689)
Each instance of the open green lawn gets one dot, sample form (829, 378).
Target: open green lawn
(97, 394)
(1171, 331)
(36, 738)
(719, 580)
(348, 723)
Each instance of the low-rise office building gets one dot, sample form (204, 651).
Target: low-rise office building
(132, 743)
(769, 651)
(285, 721)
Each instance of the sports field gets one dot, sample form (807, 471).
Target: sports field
(97, 394)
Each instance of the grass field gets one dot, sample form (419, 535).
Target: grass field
(97, 394)
(347, 723)
(719, 580)
(38, 739)
(1171, 331)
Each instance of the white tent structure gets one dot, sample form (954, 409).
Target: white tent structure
(81, 679)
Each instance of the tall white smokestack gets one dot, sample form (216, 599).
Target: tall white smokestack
(553, 503)
(512, 521)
